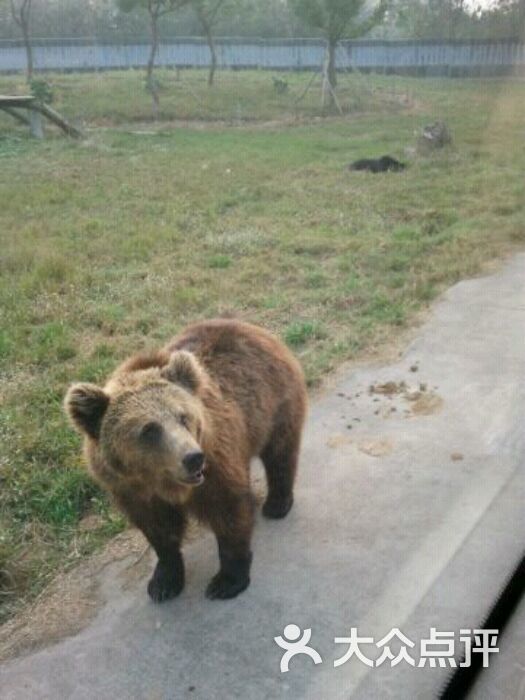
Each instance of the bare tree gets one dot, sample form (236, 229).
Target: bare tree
(21, 13)
(338, 19)
(208, 12)
(155, 9)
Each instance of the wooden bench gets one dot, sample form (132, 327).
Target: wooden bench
(11, 104)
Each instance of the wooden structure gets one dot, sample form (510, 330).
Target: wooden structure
(27, 109)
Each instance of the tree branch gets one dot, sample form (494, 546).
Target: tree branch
(212, 15)
(14, 13)
(374, 19)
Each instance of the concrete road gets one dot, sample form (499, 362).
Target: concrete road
(409, 515)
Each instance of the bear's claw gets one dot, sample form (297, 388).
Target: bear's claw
(165, 584)
(224, 586)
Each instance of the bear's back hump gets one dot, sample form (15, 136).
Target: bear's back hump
(249, 364)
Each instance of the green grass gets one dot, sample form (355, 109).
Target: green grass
(113, 244)
(219, 262)
(120, 97)
(298, 334)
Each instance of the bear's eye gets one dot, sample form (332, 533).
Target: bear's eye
(184, 420)
(151, 432)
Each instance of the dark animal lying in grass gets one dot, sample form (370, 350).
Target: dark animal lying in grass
(378, 165)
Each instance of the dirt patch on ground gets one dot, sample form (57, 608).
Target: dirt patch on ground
(73, 598)
(425, 403)
(69, 603)
(148, 128)
(388, 388)
(335, 441)
(420, 400)
(376, 448)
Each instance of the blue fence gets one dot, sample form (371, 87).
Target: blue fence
(419, 57)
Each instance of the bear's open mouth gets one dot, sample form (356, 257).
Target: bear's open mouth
(195, 479)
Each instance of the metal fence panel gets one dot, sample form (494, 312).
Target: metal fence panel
(285, 54)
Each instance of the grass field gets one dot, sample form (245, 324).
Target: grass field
(114, 243)
(120, 98)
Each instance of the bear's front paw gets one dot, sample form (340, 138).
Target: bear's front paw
(223, 586)
(166, 583)
(277, 507)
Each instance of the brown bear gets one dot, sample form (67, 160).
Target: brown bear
(172, 433)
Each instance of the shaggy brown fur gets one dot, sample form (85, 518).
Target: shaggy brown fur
(173, 432)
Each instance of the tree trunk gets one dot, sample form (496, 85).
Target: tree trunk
(213, 54)
(29, 49)
(154, 34)
(150, 82)
(206, 26)
(331, 68)
(22, 17)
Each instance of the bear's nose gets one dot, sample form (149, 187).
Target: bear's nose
(193, 461)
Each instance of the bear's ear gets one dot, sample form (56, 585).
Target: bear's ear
(184, 369)
(85, 405)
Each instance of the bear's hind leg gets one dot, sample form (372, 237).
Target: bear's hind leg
(163, 525)
(280, 457)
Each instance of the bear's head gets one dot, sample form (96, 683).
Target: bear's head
(145, 426)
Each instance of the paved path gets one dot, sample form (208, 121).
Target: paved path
(409, 518)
